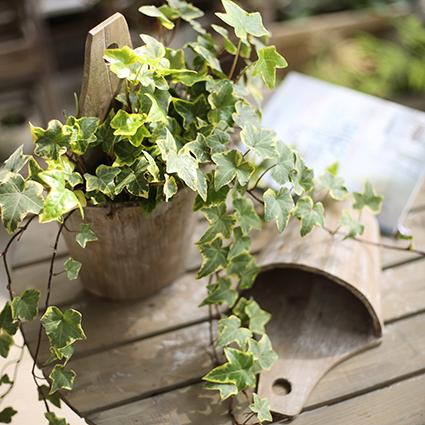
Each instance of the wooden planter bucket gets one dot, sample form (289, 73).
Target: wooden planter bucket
(135, 256)
(324, 296)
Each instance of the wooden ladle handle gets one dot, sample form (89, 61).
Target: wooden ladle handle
(99, 85)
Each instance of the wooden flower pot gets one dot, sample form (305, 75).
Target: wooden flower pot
(135, 255)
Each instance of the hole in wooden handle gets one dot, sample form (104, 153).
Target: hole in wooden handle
(282, 387)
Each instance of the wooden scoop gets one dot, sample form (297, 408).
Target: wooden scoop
(324, 297)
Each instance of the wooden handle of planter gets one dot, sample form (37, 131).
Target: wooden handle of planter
(99, 85)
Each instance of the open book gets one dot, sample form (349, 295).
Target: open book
(372, 139)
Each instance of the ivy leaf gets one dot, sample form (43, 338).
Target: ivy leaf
(156, 12)
(123, 62)
(231, 165)
(160, 102)
(221, 292)
(7, 414)
(309, 214)
(83, 133)
(248, 218)
(220, 223)
(246, 115)
(17, 199)
(368, 198)
(263, 352)
(14, 163)
(335, 185)
(222, 102)
(5, 380)
(214, 256)
(258, 318)
(261, 408)
(184, 10)
(25, 306)
(190, 111)
(245, 268)
(285, 164)
(103, 181)
(170, 187)
(259, 140)
(52, 142)
(240, 245)
(64, 328)
(209, 57)
(268, 60)
(229, 331)
(354, 228)
(228, 44)
(278, 207)
(226, 390)
(126, 124)
(54, 420)
(7, 323)
(242, 22)
(6, 341)
(237, 370)
(303, 177)
(86, 234)
(72, 268)
(43, 394)
(61, 378)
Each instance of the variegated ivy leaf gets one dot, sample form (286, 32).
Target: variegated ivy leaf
(222, 102)
(225, 390)
(83, 133)
(231, 165)
(262, 350)
(190, 111)
(160, 101)
(230, 331)
(103, 181)
(228, 43)
(245, 268)
(72, 268)
(184, 10)
(124, 63)
(260, 141)
(54, 420)
(170, 187)
(258, 318)
(7, 322)
(214, 257)
(284, 168)
(237, 370)
(246, 115)
(85, 234)
(25, 306)
(220, 223)
(207, 55)
(43, 394)
(6, 342)
(268, 60)
(14, 163)
(221, 292)
(240, 245)
(242, 22)
(213, 197)
(303, 176)
(261, 408)
(278, 207)
(368, 199)
(309, 213)
(248, 218)
(18, 198)
(199, 148)
(52, 142)
(334, 184)
(61, 379)
(126, 124)
(353, 227)
(155, 12)
(62, 328)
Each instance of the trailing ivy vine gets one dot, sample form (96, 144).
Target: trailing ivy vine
(181, 120)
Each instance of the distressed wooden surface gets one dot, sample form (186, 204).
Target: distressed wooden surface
(143, 361)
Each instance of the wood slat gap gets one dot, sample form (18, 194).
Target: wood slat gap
(402, 263)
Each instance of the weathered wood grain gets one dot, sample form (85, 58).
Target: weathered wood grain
(401, 354)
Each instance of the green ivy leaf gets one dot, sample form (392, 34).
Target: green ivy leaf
(126, 124)
(17, 199)
(52, 142)
(245, 268)
(54, 420)
(61, 378)
(221, 292)
(14, 163)
(123, 62)
(64, 328)
(222, 102)
(214, 256)
(268, 60)
(263, 353)
(6, 341)
(160, 102)
(228, 44)
(237, 370)
(226, 390)
(335, 185)
(230, 330)
(220, 223)
(231, 165)
(368, 198)
(278, 207)
(85, 234)
(7, 323)
(7, 414)
(309, 214)
(104, 181)
(240, 245)
(43, 394)
(248, 218)
(259, 140)
(190, 111)
(354, 227)
(242, 22)
(25, 306)
(261, 408)
(207, 55)
(5, 380)
(156, 12)
(72, 268)
(258, 318)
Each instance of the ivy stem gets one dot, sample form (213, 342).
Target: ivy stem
(252, 194)
(211, 329)
(250, 416)
(235, 61)
(15, 373)
(262, 175)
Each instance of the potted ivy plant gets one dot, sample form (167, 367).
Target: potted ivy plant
(182, 131)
